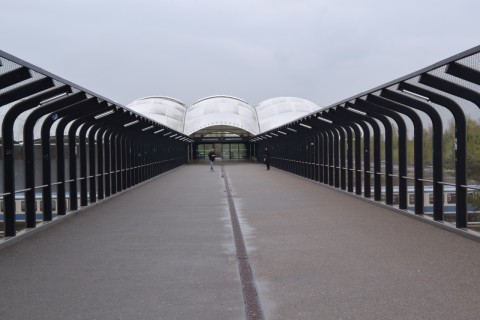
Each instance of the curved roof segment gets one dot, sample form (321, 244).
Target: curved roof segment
(222, 112)
(168, 111)
(275, 112)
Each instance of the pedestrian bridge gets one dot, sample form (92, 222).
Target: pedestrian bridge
(240, 243)
(370, 211)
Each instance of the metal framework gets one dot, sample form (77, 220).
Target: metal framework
(63, 146)
(410, 143)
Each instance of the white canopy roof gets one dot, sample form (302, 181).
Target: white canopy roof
(223, 110)
(275, 112)
(167, 111)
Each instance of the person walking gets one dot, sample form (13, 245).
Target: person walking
(211, 157)
(266, 158)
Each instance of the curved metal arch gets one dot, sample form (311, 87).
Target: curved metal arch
(68, 115)
(362, 122)
(8, 153)
(321, 162)
(437, 127)
(338, 135)
(346, 160)
(363, 106)
(72, 143)
(28, 136)
(376, 151)
(108, 161)
(92, 132)
(302, 163)
(461, 139)
(376, 113)
(333, 115)
(27, 87)
(418, 145)
(325, 156)
(329, 157)
(346, 153)
(46, 164)
(101, 137)
(336, 153)
(402, 147)
(83, 161)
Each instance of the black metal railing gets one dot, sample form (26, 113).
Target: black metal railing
(63, 147)
(412, 143)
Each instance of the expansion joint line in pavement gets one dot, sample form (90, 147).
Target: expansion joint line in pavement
(250, 297)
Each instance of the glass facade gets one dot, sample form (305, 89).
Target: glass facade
(226, 151)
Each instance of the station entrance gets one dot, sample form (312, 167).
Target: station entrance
(224, 150)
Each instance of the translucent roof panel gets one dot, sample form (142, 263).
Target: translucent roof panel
(275, 112)
(167, 111)
(221, 110)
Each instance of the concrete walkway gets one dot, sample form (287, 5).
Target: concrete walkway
(165, 250)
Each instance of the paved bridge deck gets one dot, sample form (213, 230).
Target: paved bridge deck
(166, 250)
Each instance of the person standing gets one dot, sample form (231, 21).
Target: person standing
(211, 157)
(266, 158)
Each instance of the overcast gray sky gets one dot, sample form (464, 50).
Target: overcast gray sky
(323, 51)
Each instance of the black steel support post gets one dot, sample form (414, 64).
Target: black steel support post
(346, 156)
(437, 149)
(60, 144)
(311, 155)
(327, 142)
(115, 144)
(108, 162)
(461, 139)
(8, 161)
(46, 167)
(321, 143)
(121, 156)
(376, 113)
(92, 171)
(127, 163)
(331, 163)
(67, 115)
(8, 141)
(336, 156)
(84, 160)
(28, 134)
(418, 146)
(402, 149)
(376, 151)
(101, 163)
(342, 166)
(464, 93)
(360, 120)
(72, 163)
(347, 121)
(318, 144)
